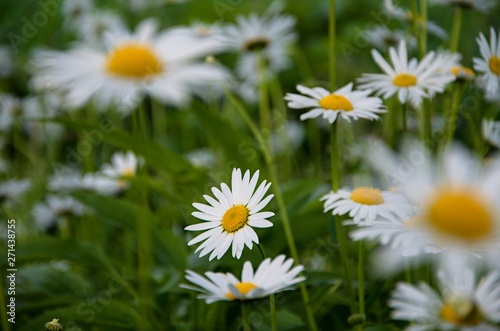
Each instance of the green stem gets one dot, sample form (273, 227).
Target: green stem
(426, 118)
(339, 227)
(422, 45)
(272, 301)
(452, 119)
(455, 30)
(279, 199)
(331, 33)
(264, 110)
(245, 316)
(361, 277)
(404, 109)
(414, 13)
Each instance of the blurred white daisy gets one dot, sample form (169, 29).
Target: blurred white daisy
(365, 204)
(269, 36)
(483, 6)
(411, 80)
(54, 208)
(456, 199)
(161, 65)
(382, 37)
(148, 4)
(463, 73)
(288, 137)
(41, 107)
(115, 174)
(12, 189)
(344, 103)
(6, 61)
(10, 109)
(489, 65)
(407, 16)
(491, 132)
(94, 25)
(74, 10)
(202, 158)
(463, 302)
(272, 276)
(230, 219)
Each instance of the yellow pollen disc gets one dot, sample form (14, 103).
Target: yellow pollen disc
(133, 61)
(404, 80)
(460, 72)
(336, 102)
(243, 288)
(367, 196)
(460, 214)
(128, 172)
(235, 218)
(494, 64)
(461, 313)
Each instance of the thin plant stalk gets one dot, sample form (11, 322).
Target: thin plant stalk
(264, 110)
(280, 201)
(272, 301)
(422, 45)
(245, 316)
(455, 30)
(331, 34)
(361, 277)
(452, 118)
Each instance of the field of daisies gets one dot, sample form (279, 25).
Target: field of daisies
(250, 165)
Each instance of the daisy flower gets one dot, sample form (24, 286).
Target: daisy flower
(456, 200)
(483, 6)
(123, 166)
(132, 64)
(93, 26)
(13, 189)
(230, 219)
(407, 16)
(489, 65)
(272, 276)
(411, 80)
(365, 204)
(74, 10)
(382, 37)
(10, 108)
(269, 36)
(491, 132)
(344, 103)
(463, 302)
(47, 213)
(6, 61)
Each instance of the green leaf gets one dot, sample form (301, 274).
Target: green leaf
(166, 245)
(239, 149)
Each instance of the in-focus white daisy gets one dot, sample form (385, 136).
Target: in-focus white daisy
(269, 36)
(407, 16)
(411, 80)
(47, 213)
(272, 276)
(382, 37)
(10, 108)
(344, 103)
(161, 65)
(6, 61)
(491, 132)
(230, 219)
(483, 6)
(365, 204)
(463, 302)
(489, 64)
(456, 199)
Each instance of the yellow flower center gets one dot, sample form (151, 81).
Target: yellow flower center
(461, 312)
(243, 288)
(235, 218)
(128, 172)
(336, 102)
(460, 214)
(133, 61)
(494, 64)
(461, 72)
(256, 44)
(404, 80)
(367, 196)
